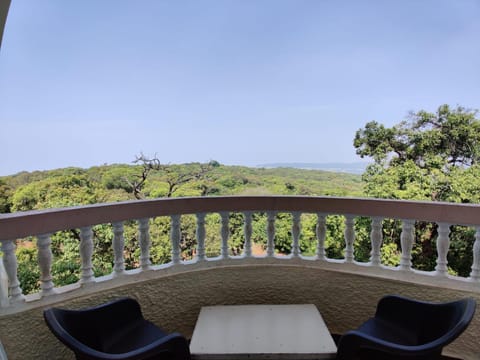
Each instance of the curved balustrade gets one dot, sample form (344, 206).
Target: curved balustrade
(43, 223)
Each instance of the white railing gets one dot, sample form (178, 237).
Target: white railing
(44, 223)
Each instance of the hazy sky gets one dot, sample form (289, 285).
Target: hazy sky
(244, 82)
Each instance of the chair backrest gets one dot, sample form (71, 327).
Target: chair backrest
(435, 323)
(445, 322)
(87, 327)
(404, 328)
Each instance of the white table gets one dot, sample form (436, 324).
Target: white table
(261, 332)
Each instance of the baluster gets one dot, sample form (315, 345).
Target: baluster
(376, 239)
(4, 302)
(321, 231)
(45, 263)
(443, 245)
(475, 274)
(118, 245)
(10, 263)
(247, 231)
(200, 234)
(349, 235)
(271, 215)
(144, 242)
(175, 236)
(86, 252)
(224, 233)
(296, 229)
(407, 239)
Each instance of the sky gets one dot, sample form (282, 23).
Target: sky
(242, 82)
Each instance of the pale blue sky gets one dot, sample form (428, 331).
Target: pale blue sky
(244, 82)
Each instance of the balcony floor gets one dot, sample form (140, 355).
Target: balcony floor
(336, 337)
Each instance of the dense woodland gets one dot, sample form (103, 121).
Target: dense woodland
(429, 156)
(149, 179)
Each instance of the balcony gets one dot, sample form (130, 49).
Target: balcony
(344, 290)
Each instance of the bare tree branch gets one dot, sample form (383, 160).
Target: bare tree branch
(174, 175)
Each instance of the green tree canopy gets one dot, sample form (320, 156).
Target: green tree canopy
(5, 193)
(58, 191)
(428, 156)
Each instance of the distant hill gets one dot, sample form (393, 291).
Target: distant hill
(351, 168)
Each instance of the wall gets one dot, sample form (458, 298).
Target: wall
(173, 301)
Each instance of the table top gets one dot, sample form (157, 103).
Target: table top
(261, 332)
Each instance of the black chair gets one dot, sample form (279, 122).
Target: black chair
(403, 328)
(115, 330)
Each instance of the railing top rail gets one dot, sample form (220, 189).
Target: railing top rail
(21, 224)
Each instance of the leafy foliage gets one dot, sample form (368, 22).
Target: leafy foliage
(430, 156)
(5, 197)
(74, 186)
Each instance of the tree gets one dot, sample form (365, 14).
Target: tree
(429, 156)
(56, 191)
(74, 186)
(148, 165)
(177, 175)
(424, 157)
(5, 197)
(173, 175)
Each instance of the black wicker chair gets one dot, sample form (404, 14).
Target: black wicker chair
(403, 328)
(115, 330)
